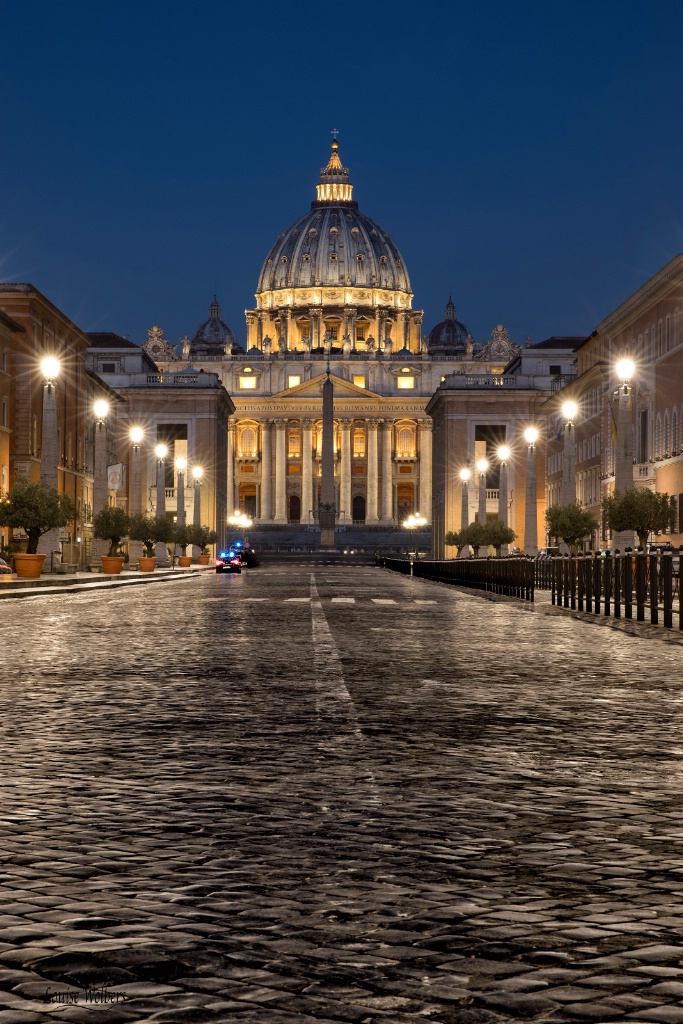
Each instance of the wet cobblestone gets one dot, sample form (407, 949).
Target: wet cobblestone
(324, 794)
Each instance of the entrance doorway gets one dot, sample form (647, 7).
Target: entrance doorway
(405, 501)
(358, 507)
(294, 509)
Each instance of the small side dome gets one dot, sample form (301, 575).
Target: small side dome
(450, 337)
(214, 338)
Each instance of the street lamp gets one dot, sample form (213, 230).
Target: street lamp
(530, 508)
(49, 455)
(241, 520)
(136, 435)
(569, 411)
(100, 491)
(161, 451)
(414, 522)
(465, 475)
(623, 452)
(482, 466)
(503, 453)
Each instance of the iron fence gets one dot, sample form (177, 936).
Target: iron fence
(615, 585)
(513, 577)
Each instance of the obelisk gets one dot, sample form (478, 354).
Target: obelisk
(328, 511)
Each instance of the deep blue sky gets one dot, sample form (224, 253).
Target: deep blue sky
(526, 156)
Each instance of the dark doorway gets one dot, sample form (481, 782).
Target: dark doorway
(358, 509)
(494, 436)
(294, 514)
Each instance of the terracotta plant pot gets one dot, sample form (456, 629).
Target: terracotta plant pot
(29, 567)
(111, 564)
(146, 564)
(203, 559)
(184, 561)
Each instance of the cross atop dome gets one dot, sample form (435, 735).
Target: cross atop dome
(334, 184)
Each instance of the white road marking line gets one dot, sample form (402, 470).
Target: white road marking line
(306, 599)
(383, 600)
(334, 704)
(425, 602)
(254, 598)
(343, 600)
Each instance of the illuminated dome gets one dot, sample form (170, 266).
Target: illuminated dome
(334, 244)
(450, 337)
(213, 338)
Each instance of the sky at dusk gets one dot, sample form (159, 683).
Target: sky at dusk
(525, 156)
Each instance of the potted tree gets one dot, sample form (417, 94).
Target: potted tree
(570, 522)
(111, 523)
(182, 536)
(35, 509)
(497, 534)
(203, 537)
(149, 531)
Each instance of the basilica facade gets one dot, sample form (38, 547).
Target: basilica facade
(333, 295)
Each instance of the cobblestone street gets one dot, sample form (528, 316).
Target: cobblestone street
(313, 794)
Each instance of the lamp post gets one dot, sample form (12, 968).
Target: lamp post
(242, 521)
(50, 367)
(414, 522)
(482, 466)
(623, 454)
(197, 474)
(503, 454)
(465, 475)
(569, 411)
(530, 507)
(136, 435)
(160, 549)
(100, 493)
(180, 467)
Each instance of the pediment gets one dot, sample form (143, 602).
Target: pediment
(313, 388)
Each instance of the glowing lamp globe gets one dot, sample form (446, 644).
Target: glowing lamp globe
(482, 465)
(465, 475)
(625, 369)
(101, 409)
(181, 464)
(569, 410)
(197, 472)
(50, 367)
(531, 435)
(503, 453)
(136, 434)
(161, 451)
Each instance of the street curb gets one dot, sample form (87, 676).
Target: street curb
(98, 584)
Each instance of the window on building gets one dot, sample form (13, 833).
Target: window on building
(674, 432)
(359, 443)
(659, 338)
(248, 442)
(666, 448)
(404, 442)
(332, 331)
(108, 367)
(676, 323)
(359, 380)
(293, 380)
(555, 371)
(360, 333)
(4, 412)
(247, 383)
(405, 383)
(294, 445)
(668, 333)
(658, 438)
(4, 360)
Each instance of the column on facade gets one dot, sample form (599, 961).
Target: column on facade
(230, 485)
(387, 474)
(381, 327)
(345, 488)
(280, 471)
(372, 496)
(425, 449)
(260, 317)
(316, 317)
(160, 549)
(306, 470)
(251, 320)
(352, 313)
(285, 326)
(266, 507)
(405, 321)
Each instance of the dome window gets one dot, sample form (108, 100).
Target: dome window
(360, 258)
(285, 259)
(383, 259)
(306, 257)
(333, 257)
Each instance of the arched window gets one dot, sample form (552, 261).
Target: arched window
(248, 442)
(359, 443)
(667, 450)
(658, 438)
(674, 432)
(404, 442)
(294, 444)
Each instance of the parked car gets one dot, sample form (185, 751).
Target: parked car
(547, 552)
(5, 569)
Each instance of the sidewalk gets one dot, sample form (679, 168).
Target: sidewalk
(52, 583)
